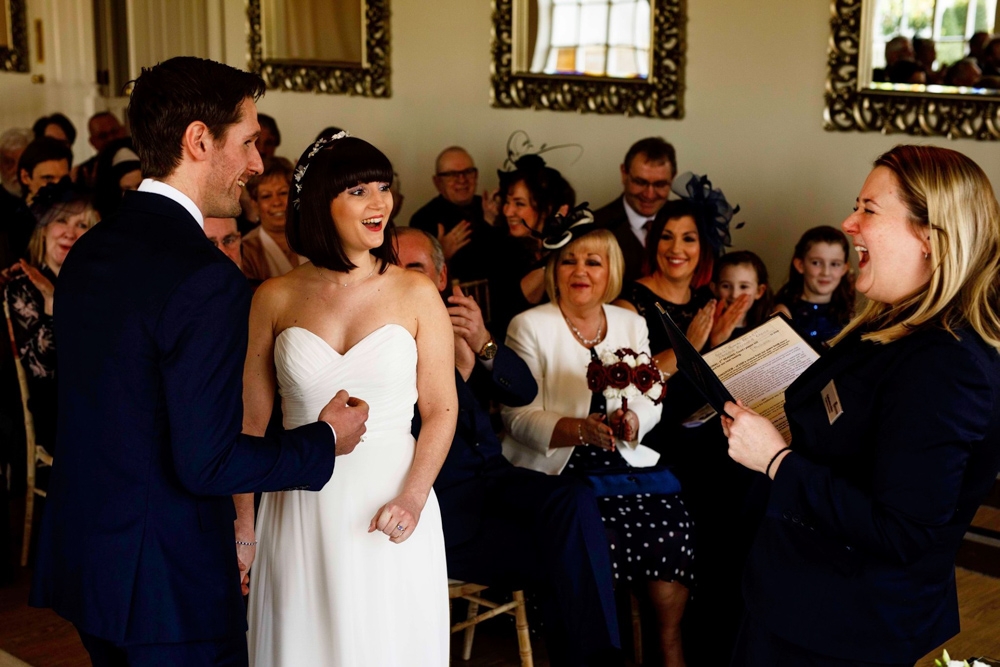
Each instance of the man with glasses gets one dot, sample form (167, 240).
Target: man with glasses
(459, 218)
(647, 173)
(225, 236)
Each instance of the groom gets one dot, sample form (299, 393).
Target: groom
(137, 544)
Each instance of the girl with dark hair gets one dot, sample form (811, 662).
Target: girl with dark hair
(739, 273)
(117, 171)
(62, 215)
(532, 195)
(819, 294)
(328, 591)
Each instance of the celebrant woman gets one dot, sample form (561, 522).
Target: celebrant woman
(568, 429)
(895, 432)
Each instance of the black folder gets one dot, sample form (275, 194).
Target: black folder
(691, 363)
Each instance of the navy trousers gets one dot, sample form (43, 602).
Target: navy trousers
(228, 652)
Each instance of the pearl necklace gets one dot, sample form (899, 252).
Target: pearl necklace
(587, 342)
(337, 282)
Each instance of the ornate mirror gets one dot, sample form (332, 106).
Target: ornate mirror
(13, 36)
(595, 56)
(921, 67)
(327, 46)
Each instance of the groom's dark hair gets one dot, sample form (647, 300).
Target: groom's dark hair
(168, 97)
(333, 168)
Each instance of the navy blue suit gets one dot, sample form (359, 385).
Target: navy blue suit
(517, 528)
(855, 557)
(137, 541)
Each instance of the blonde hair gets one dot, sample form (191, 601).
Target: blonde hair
(951, 201)
(36, 246)
(600, 241)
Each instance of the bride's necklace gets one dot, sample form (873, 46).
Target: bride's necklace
(587, 342)
(337, 282)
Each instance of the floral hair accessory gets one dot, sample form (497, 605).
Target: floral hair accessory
(300, 169)
(713, 212)
(626, 374)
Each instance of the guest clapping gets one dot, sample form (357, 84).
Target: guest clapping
(62, 215)
(569, 430)
(895, 432)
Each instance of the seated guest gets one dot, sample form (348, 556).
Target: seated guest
(906, 71)
(925, 53)
(964, 72)
(990, 63)
(224, 235)
(819, 295)
(57, 126)
(533, 197)
(895, 433)
(62, 215)
(648, 170)
(977, 47)
(459, 218)
(12, 144)
(117, 172)
(265, 249)
(506, 526)
(568, 430)
(269, 138)
(43, 161)
(103, 128)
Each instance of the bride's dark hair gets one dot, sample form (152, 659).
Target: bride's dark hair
(326, 169)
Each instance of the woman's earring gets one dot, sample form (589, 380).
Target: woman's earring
(927, 255)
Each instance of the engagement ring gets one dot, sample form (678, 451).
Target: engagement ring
(399, 526)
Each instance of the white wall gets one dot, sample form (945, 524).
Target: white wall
(753, 121)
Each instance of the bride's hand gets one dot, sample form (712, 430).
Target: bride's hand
(398, 518)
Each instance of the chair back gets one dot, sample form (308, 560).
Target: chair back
(479, 290)
(22, 381)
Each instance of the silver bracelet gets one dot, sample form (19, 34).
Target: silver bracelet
(579, 433)
(246, 544)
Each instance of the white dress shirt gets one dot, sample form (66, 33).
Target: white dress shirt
(170, 192)
(637, 222)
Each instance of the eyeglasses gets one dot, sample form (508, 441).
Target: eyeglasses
(455, 175)
(227, 241)
(642, 183)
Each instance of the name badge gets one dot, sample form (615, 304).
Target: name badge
(831, 402)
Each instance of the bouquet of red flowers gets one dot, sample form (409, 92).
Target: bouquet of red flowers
(626, 374)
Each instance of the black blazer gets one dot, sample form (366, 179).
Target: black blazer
(614, 218)
(855, 558)
(137, 540)
(475, 453)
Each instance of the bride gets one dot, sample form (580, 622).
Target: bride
(354, 574)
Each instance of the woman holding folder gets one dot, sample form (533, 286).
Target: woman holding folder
(895, 433)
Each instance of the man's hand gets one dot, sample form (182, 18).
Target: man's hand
(465, 357)
(459, 237)
(467, 320)
(347, 415)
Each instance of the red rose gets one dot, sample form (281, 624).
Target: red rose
(619, 375)
(625, 351)
(597, 377)
(663, 394)
(645, 377)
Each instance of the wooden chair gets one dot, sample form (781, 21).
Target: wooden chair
(469, 592)
(480, 291)
(37, 456)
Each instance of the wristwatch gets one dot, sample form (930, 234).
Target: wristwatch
(489, 350)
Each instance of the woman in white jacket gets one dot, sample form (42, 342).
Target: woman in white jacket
(568, 429)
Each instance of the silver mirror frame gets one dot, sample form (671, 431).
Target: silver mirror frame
(659, 96)
(369, 79)
(848, 108)
(15, 58)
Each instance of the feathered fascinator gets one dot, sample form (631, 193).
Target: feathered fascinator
(713, 213)
(53, 198)
(564, 229)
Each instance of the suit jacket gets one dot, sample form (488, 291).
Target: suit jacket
(137, 540)
(475, 453)
(614, 218)
(559, 365)
(475, 260)
(855, 557)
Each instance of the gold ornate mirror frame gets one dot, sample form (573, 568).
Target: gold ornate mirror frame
(370, 78)
(659, 96)
(14, 46)
(851, 108)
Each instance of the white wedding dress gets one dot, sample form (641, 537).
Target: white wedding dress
(324, 592)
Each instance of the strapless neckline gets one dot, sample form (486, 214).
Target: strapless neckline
(364, 339)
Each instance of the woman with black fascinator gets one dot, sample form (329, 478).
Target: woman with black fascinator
(354, 574)
(532, 195)
(62, 214)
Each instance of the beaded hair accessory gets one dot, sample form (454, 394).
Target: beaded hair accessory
(713, 213)
(303, 166)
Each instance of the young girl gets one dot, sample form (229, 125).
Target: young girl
(740, 281)
(819, 294)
